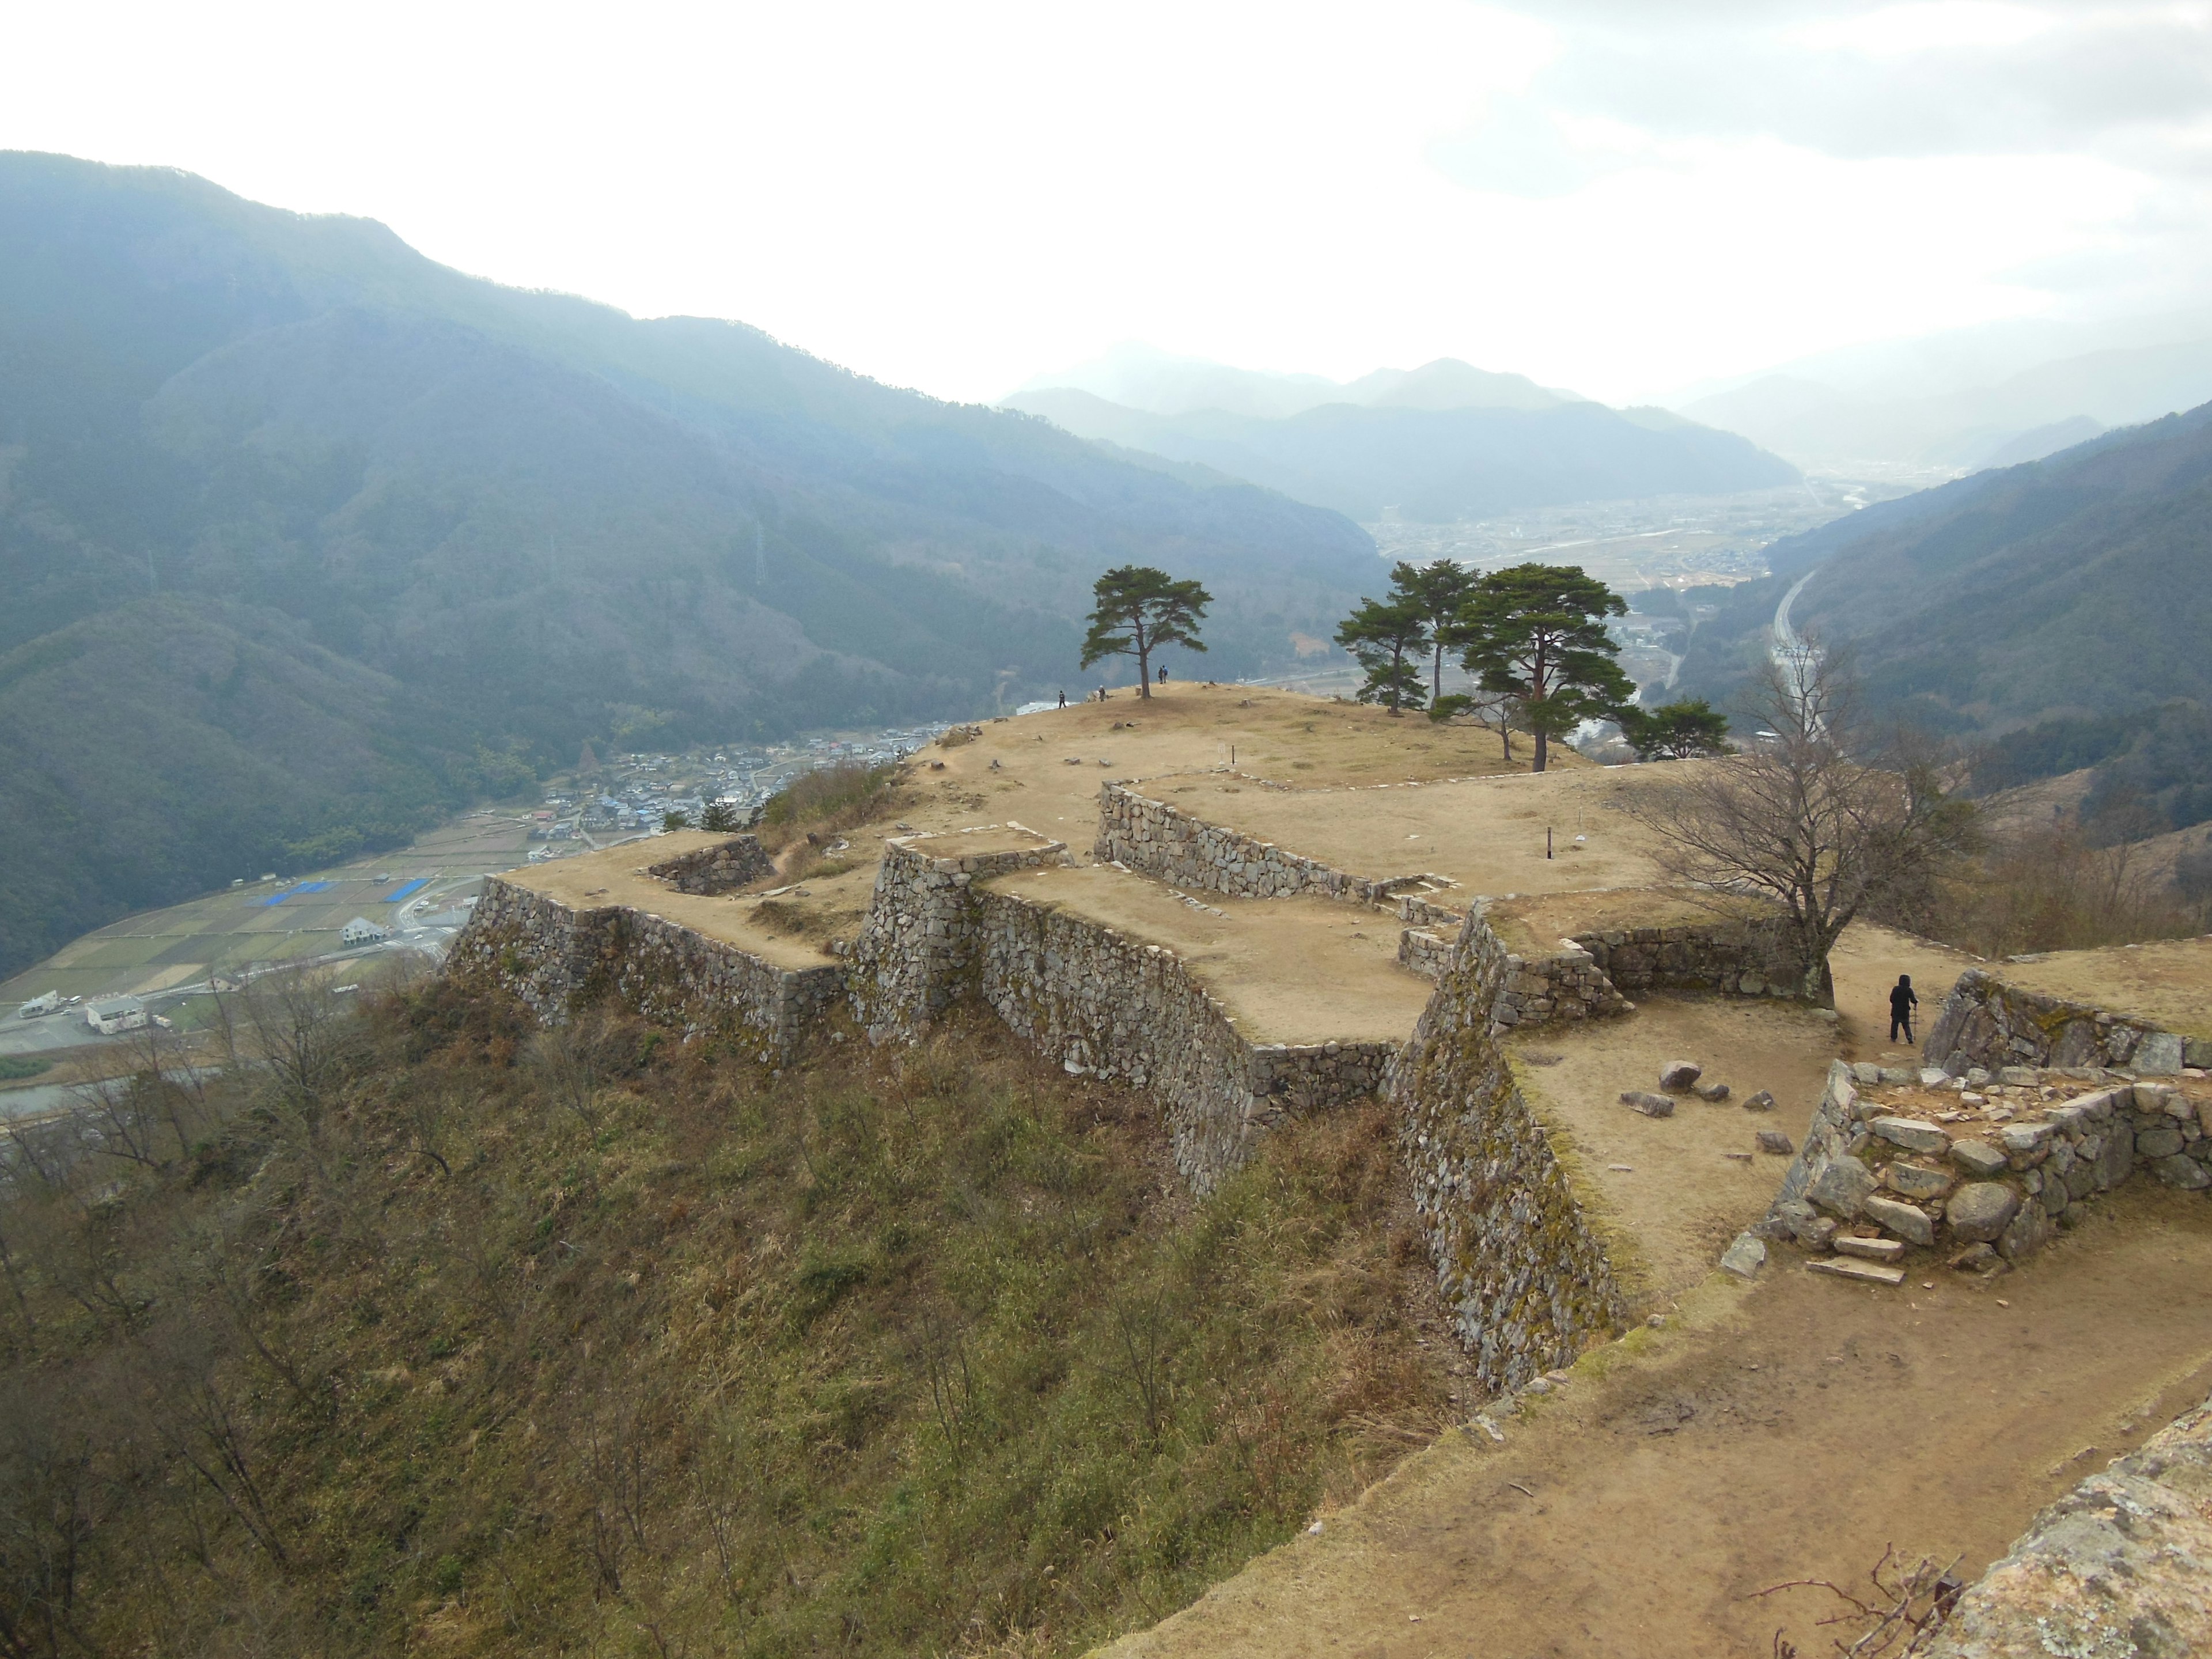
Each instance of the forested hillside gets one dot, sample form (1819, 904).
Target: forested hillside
(2057, 608)
(502, 521)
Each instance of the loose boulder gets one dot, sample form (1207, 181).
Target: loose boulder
(1761, 1102)
(1773, 1140)
(1650, 1105)
(1712, 1091)
(1680, 1076)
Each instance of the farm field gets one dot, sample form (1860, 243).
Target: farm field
(167, 955)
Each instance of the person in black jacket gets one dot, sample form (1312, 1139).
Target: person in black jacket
(1902, 1002)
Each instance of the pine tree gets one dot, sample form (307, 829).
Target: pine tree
(1139, 609)
(1381, 635)
(1684, 730)
(1537, 632)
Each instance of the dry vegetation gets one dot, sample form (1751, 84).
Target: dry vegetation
(2047, 888)
(434, 1332)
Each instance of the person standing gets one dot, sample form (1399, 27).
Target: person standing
(1063, 699)
(1902, 1002)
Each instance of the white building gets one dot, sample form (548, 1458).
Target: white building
(361, 931)
(111, 1015)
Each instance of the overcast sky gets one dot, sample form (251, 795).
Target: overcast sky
(1620, 196)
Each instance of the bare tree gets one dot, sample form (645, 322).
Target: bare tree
(1804, 817)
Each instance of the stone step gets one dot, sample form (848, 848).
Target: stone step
(1868, 1250)
(1864, 1273)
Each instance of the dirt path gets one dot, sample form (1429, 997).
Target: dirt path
(1668, 1195)
(1786, 1429)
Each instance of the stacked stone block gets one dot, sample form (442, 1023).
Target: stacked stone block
(915, 952)
(1528, 1282)
(1106, 1007)
(1986, 1023)
(1751, 957)
(556, 958)
(738, 862)
(1154, 839)
(2008, 1185)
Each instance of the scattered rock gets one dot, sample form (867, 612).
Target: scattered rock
(1980, 1211)
(1907, 1221)
(1975, 1259)
(1679, 1076)
(1895, 1077)
(1773, 1140)
(1916, 1180)
(1868, 1249)
(1761, 1102)
(1977, 1157)
(1914, 1134)
(1934, 1077)
(1866, 1074)
(1712, 1091)
(1863, 1273)
(1744, 1257)
(1842, 1188)
(1650, 1104)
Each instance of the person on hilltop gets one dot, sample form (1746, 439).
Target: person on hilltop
(1902, 1002)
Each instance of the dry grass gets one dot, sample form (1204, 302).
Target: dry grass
(500, 1341)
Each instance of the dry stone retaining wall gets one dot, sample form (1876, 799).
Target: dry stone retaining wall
(556, 958)
(913, 958)
(2008, 1185)
(1155, 839)
(735, 863)
(1749, 958)
(1104, 1006)
(1986, 1023)
(1528, 1282)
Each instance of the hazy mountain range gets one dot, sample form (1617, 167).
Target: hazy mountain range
(304, 537)
(1440, 443)
(1969, 398)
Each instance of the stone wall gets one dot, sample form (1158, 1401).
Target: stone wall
(1745, 957)
(1986, 1023)
(1526, 1281)
(735, 863)
(2117, 1566)
(1567, 985)
(2006, 1185)
(1155, 839)
(557, 958)
(552, 957)
(1106, 1007)
(913, 958)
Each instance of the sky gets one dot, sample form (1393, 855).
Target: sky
(1624, 197)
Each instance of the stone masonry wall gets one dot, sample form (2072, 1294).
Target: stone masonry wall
(2116, 1567)
(1155, 839)
(1528, 1282)
(1104, 1006)
(735, 863)
(1986, 1023)
(556, 958)
(2008, 1185)
(1752, 957)
(913, 958)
